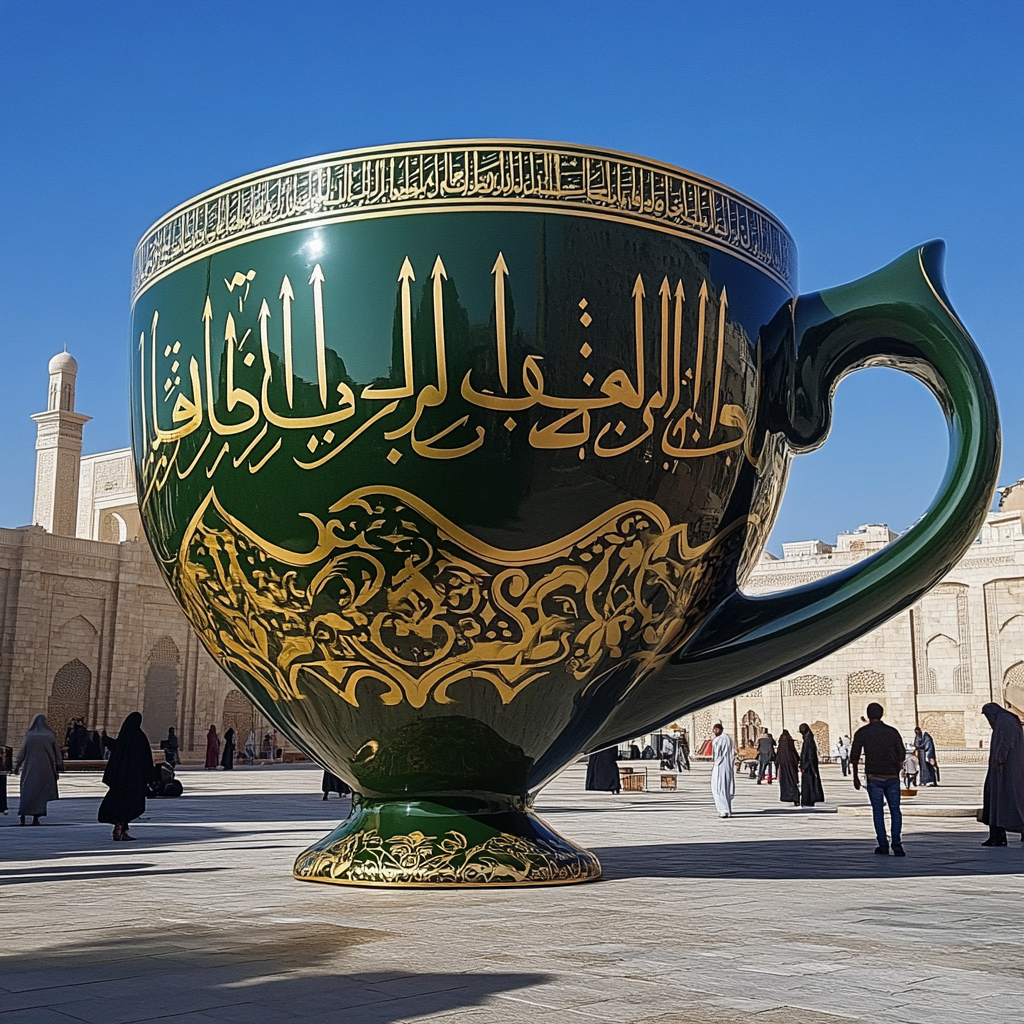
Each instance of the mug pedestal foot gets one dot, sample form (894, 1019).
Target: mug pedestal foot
(464, 843)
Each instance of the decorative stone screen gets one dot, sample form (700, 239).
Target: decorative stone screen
(866, 681)
(809, 686)
(946, 727)
(69, 697)
(160, 694)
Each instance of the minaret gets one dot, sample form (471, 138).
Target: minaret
(58, 451)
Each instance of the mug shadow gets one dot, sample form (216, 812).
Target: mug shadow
(248, 969)
(929, 855)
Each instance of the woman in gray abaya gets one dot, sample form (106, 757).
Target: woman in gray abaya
(39, 762)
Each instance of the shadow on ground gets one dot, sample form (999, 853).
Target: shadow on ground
(257, 970)
(929, 855)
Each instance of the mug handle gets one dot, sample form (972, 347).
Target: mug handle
(898, 317)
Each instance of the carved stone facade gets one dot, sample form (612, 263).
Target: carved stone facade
(935, 664)
(88, 628)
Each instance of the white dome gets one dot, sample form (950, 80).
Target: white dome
(64, 362)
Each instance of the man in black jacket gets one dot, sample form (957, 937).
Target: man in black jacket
(884, 752)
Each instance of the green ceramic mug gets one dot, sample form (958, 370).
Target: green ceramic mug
(457, 454)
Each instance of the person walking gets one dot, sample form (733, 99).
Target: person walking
(684, 750)
(250, 747)
(332, 784)
(39, 762)
(1003, 808)
(925, 746)
(227, 761)
(843, 753)
(765, 756)
(811, 792)
(723, 771)
(883, 750)
(788, 761)
(603, 770)
(127, 777)
(212, 749)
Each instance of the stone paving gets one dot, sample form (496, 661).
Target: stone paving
(781, 918)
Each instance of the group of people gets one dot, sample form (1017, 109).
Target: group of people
(223, 755)
(128, 775)
(798, 773)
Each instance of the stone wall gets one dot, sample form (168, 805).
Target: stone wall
(90, 628)
(934, 665)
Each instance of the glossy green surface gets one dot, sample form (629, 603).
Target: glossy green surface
(509, 465)
(426, 843)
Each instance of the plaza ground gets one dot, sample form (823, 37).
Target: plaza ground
(769, 918)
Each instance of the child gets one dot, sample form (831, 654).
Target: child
(910, 769)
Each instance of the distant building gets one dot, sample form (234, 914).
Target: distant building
(88, 627)
(935, 664)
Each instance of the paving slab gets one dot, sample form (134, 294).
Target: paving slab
(765, 917)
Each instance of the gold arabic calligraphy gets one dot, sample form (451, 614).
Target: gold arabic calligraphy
(676, 413)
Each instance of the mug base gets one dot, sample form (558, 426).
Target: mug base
(427, 844)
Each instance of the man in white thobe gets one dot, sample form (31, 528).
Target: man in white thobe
(723, 771)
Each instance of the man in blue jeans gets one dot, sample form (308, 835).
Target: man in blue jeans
(884, 752)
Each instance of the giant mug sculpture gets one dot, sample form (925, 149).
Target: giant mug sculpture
(456, 455)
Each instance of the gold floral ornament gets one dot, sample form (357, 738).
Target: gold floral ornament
(418, 859)
(400, 597)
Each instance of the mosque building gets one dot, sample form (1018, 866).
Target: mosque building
(89, 629)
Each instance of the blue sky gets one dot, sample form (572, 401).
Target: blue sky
(866, 127)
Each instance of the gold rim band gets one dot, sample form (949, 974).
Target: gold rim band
(483, 174)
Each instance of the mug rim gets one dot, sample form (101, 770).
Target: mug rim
(241, 209)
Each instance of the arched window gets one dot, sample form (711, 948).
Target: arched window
(160, 691)
(69, 697)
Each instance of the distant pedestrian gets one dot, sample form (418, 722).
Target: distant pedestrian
(212, 748)
(788, 762)
(94, 748)
(170, 747)
(603, 771)
(811, 792)
(39, 762)
(78, 740)
(884, 753)
(843, 753)
(332, 784)
(925, 746)
(765, 756)
(723, 771)
(128, 775)
(684, 750)
(250, 746)
(1003, 808)
(910, 768)
(227, 761)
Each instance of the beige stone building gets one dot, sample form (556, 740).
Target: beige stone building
(88, 627)
(935, 664)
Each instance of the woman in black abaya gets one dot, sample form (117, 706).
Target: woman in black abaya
(227, 759)
(129, 771)
(811, 792)
(787, 761)
(603, 770)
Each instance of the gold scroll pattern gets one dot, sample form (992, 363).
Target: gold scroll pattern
(367, 858)
(682, 408)
(401, 603)
(424, 176)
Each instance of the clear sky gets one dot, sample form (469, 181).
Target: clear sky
(867, 127)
